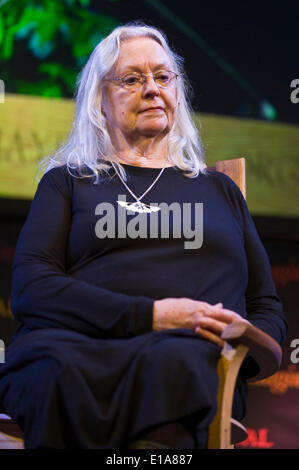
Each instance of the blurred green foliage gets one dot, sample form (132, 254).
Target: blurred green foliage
(53, 38)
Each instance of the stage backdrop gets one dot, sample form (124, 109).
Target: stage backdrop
(270, 149)
(272, 195)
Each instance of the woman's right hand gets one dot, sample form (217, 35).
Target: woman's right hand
(180, 313)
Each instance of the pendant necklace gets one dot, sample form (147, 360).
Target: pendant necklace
(137, 206)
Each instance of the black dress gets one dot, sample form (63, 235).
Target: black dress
(85, 368)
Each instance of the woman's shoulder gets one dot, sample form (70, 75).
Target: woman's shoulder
(227, 190)
(55, 172)
(56, 178)
(223, 182)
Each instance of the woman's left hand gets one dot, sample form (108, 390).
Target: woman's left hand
(211, 324)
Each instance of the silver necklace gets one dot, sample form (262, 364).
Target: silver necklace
(137, 206)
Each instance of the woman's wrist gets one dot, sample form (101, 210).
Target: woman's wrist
(156, 315)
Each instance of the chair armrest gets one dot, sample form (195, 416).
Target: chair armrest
(263, 348)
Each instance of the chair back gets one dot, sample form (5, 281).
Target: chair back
(235, 169)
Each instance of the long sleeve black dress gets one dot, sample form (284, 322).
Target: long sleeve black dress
(85, 368)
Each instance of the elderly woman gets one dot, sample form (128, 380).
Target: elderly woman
(120, 311)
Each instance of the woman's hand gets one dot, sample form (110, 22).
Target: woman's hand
(211, 325)
(207, 320)
(180, 313)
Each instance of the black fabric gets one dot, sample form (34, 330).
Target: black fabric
(85, 368)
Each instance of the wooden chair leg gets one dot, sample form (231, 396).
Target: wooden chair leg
(11, 436)
(10, 442)
(228, 368)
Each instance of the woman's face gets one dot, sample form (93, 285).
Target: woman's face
(148, 111)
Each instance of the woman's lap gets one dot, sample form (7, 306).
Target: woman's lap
(65, 389)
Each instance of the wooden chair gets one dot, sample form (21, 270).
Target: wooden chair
(240, 340)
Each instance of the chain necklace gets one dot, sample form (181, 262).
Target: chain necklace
(138, 206)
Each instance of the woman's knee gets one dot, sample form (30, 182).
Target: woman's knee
(31, 388)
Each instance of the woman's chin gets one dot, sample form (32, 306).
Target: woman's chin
(153, 126)
(153, 130)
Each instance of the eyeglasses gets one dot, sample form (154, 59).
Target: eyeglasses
(134, 80)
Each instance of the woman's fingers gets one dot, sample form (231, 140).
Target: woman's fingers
(212, 324)
(209, 309)
(213, 320)
(205, 307)
(226, 316)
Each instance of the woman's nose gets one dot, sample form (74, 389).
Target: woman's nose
(150, 87)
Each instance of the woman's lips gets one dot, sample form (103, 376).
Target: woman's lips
(153, 110)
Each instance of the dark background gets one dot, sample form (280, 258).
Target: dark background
(258, 40)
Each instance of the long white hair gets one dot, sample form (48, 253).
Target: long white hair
(89, 143)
